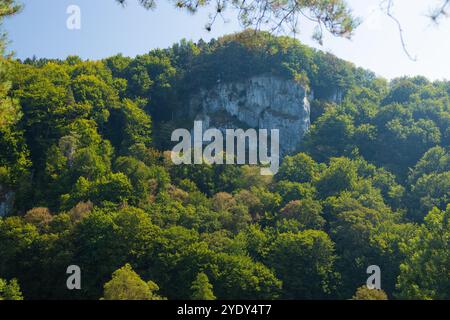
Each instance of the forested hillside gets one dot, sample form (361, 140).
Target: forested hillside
(85, 179)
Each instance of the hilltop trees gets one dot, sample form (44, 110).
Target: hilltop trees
(332, 15)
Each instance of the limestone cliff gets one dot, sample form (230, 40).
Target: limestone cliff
(265, 102)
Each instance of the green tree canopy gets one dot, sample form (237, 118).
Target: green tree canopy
(201, 288)
(424, 272)
(10, 290)
(127, 285)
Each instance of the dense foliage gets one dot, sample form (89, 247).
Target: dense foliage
(82, 150)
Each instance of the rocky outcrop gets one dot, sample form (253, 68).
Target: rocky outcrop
(265, 102)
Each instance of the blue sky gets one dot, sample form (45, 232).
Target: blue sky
(107, 28)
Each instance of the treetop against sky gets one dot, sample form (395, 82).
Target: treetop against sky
(108, 28)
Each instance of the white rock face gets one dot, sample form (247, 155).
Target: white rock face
(264, 102)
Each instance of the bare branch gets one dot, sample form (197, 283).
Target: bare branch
(333, 16)
(440, 12)
(400, 29)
